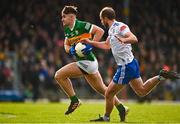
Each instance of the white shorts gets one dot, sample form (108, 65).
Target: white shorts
(90, 67)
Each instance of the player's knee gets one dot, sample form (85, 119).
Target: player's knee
(58, 76)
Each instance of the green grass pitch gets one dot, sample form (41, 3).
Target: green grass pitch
(54, 113)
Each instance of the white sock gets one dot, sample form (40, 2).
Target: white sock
(106, 118)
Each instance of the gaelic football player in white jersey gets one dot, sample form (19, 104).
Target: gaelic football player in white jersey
(119, 41)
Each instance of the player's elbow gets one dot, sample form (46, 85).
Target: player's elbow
(100, 33)
(135, 39)
(132, 39)
(66, 49)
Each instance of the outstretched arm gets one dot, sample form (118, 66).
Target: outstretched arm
(101, 45)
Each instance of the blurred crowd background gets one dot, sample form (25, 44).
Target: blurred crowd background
(31, 46)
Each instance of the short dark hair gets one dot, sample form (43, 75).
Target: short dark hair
(70, 10)
(108, 12)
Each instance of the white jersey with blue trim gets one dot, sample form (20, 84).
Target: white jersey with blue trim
(121, 52)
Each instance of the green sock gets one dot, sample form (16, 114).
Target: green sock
(160, 78)
(74, 98)
(120, 107)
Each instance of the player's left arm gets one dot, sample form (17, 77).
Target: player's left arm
(101, 45)
(128, 37)
(97, 33)
(125, 35)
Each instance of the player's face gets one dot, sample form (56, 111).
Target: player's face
(104, 22)
(66, 19)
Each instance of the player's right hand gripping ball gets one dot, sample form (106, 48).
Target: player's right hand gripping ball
(87, 49)
(83, 49)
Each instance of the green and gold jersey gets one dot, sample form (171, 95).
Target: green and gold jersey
(79, 31)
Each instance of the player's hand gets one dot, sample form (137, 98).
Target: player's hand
(120, 39)
(86, 40)
(88, 49)
(72, 50)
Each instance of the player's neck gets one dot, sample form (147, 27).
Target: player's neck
(71, 26)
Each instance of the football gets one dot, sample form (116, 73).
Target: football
(79, 47)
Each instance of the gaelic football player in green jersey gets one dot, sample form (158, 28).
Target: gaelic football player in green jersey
(87, 66)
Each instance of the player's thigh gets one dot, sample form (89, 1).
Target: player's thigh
(96, 82)
(136, 84)
(113, 89)
(69, 70)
